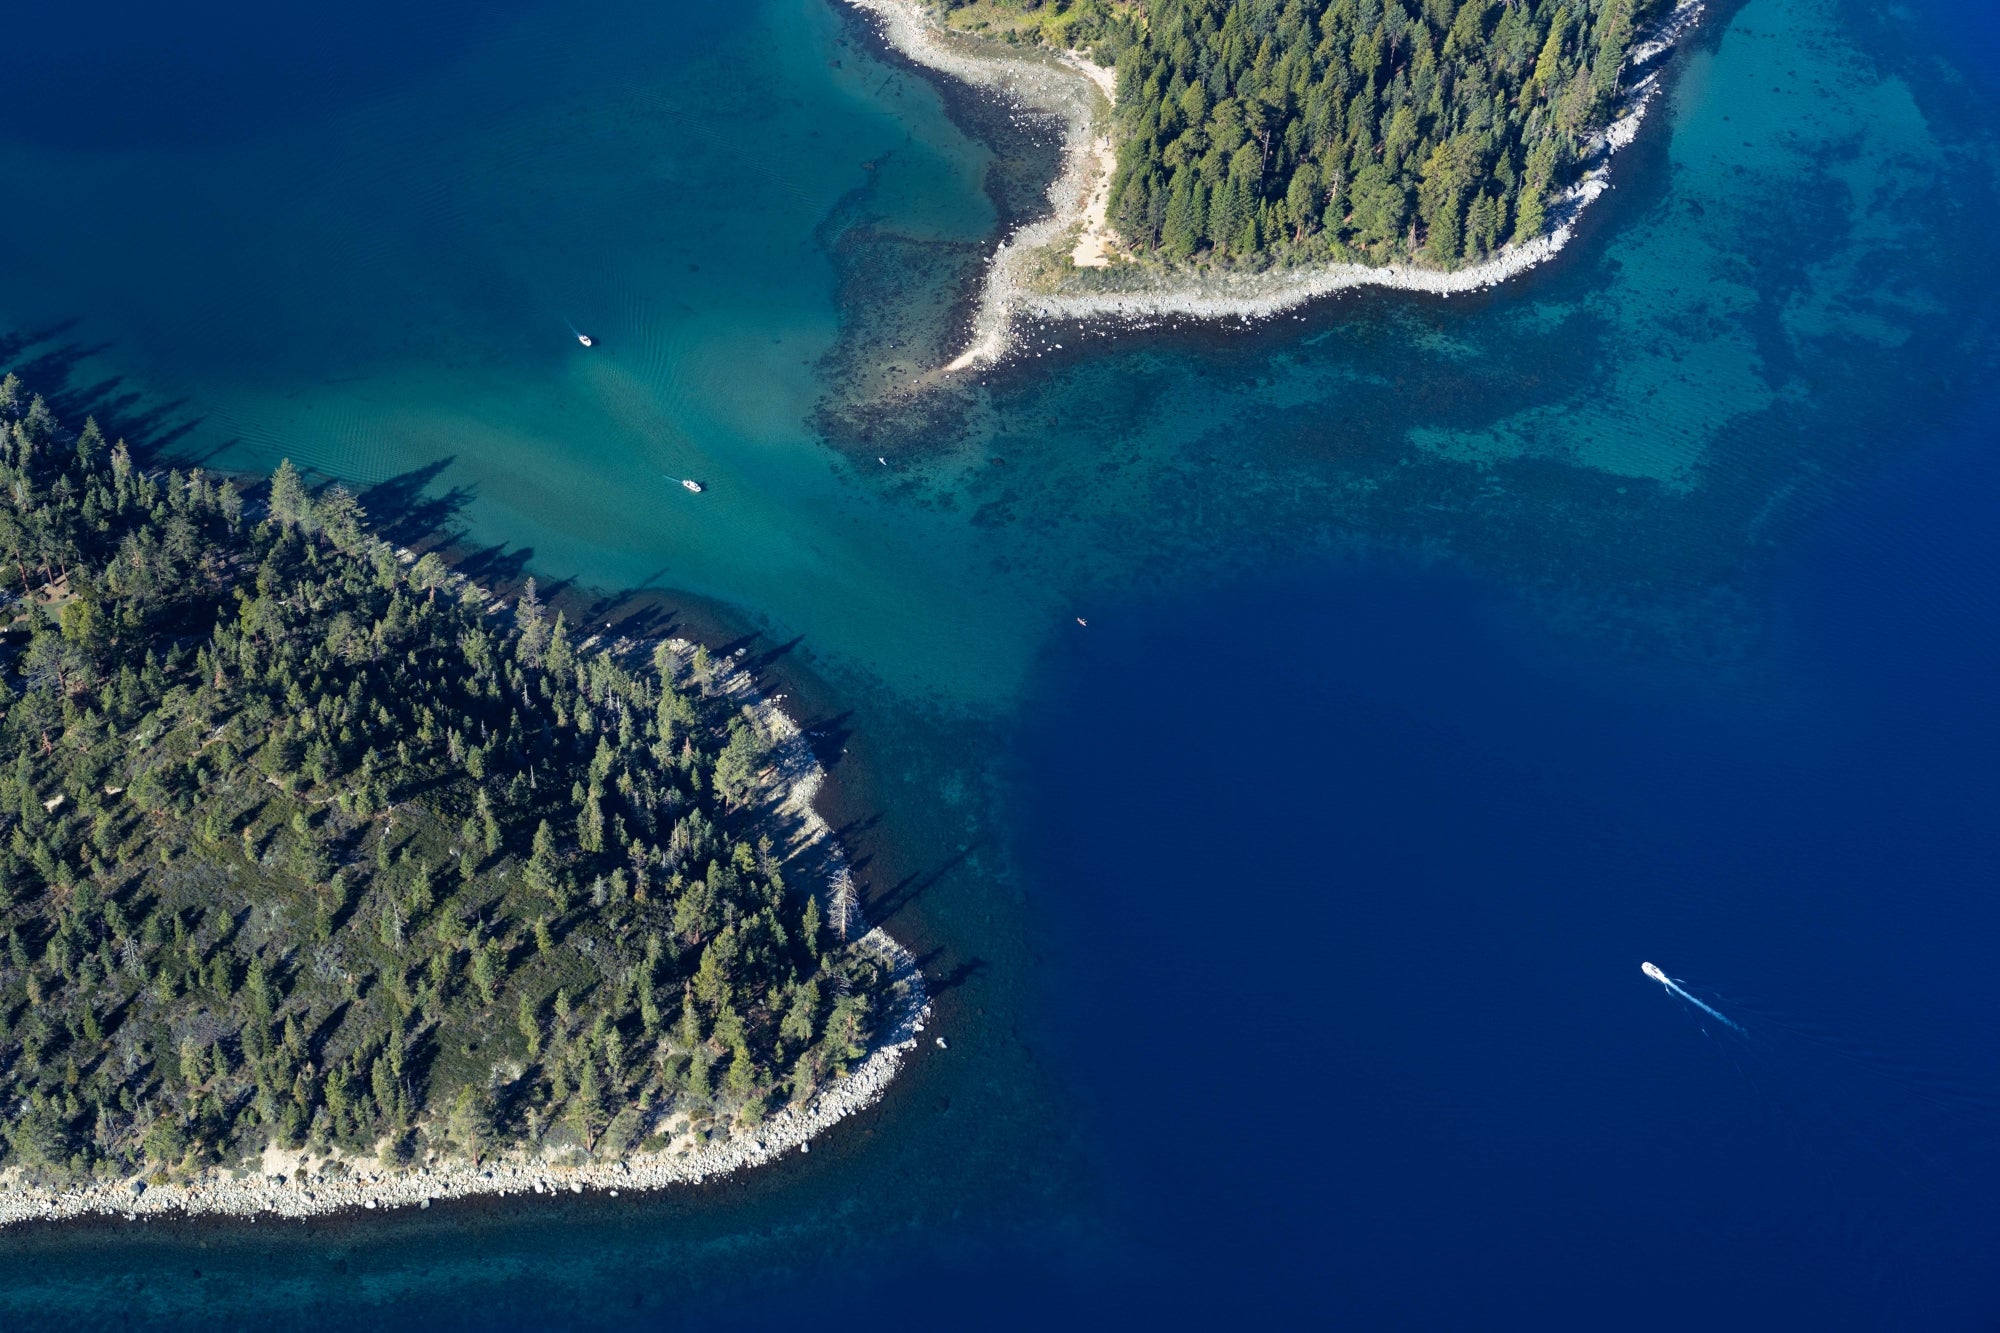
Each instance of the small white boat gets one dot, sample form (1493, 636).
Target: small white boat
(583, 338)
(692, 484)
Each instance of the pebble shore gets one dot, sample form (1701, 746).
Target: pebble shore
(1153, 295)
(796, 778)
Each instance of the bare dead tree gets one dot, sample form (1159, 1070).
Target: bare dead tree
(845, 904)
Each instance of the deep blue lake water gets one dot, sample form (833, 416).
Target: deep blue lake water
(1424, 1085)
(1445, 660)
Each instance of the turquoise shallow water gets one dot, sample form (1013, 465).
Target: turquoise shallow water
(358, 240)
(752, 215)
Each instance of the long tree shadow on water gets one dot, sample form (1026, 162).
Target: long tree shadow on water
(890, 904)
(828, 737)
(154, 429)
(633, 613)
(760, 662)
(495, 567)
(15, 342)
(940, 982)
(403, 510)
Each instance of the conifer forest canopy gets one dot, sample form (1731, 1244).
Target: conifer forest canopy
(306, 843)
(1374, 130)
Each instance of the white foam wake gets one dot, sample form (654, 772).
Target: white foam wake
(1674, 986)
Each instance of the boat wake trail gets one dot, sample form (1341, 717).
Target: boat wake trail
(1656, 974)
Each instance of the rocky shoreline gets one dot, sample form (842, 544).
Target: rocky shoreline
(281, 1187)
(1044, 84)
(1039, 84)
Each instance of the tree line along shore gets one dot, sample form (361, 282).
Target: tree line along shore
(312, 849)
(1421, 227)
(1251, 132)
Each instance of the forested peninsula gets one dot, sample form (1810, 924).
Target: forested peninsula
(329, 879)
(1429, 130)
(1232, 158)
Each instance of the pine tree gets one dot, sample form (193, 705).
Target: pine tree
(688, 1033)
(1531, 216)
(590, 820)
(530, 1023)
(802, 1015)
(1482, 225)
(1178, 234)
(543, 872)
(741, 1079)
(290, 504)
(485, 971)
(1615, 35)
(586, 1106)
(809, 923)
(489, 823)
(470, 1124)
(533, 626)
